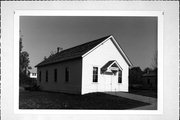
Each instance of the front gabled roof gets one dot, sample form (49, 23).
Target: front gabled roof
(111, 63)
(81, 51)
(116, 45)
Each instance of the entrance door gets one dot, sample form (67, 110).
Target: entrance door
(107, 82)
(110, 82)
(114, 82)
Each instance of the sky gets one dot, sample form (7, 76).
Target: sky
(42, 34)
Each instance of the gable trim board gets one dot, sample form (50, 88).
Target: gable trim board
(109, 66)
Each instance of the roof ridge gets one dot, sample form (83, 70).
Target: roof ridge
(87, 42)
(79, 45)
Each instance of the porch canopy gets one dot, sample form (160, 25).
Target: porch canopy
(111, 66)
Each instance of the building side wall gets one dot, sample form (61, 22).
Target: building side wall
(98, 58)
(74, 83)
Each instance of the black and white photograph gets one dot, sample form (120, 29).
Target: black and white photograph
(76, 60)
(88, 62)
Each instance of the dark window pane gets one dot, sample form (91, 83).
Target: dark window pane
(120, 76)
(55, 75)
(39, 76)
(67, 74)
(95, 74)
(46, 76)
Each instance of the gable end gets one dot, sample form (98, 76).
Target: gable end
(116, 45)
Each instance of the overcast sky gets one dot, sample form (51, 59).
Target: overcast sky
(43, 34)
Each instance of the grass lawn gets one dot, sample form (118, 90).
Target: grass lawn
(148, 93)
(52, 100)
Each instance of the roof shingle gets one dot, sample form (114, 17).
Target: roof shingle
(71, 53)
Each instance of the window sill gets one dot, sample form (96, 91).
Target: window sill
(94, 82)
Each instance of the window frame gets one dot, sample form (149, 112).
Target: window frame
(67, 71)
(95, 75)
(46, 75)
(148, 81)
(120, 76)
(40, 76)
(55, 75)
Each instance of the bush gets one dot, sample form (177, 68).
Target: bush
(136, 86)
(27, 81)
(32, 88)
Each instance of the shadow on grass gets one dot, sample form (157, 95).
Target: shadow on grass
(52, 100)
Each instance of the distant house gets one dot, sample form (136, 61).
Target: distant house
(149, 80)
(96, 66)
(33, 75)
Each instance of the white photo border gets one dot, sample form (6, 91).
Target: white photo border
(158, 14)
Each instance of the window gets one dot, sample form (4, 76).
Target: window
(148, 82)
(39, 76)
(120, 76)
(46, 76)
(55, 75)
(95, 74)
(67, 74)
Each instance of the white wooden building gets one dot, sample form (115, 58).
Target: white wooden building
(96, 66)
(33, 75)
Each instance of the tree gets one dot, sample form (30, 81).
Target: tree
(147, 70)
(154, 61)
(23, 60)
(135, 75)
(52, 53)
(45, 57)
